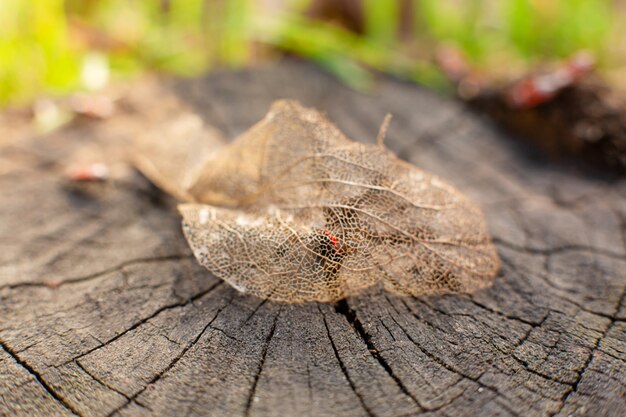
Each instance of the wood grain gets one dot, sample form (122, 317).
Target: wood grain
(104, 312)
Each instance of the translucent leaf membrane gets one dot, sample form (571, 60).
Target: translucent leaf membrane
(173, 156)
(294, 211)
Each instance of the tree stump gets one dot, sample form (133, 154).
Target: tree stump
(104, 311)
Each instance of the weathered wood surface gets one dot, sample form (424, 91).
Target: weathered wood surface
(104, 312)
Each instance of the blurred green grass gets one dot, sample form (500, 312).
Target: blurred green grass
(56, 46)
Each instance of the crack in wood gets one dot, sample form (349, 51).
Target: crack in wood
(226, 335)
(101, 273)
(450, 400)
(528, 333)
(146, 319)
(99, 381)
(545, 279)
(382, 322)
(528, 369)
(451, 368)
(532, 326)
(343, 308)
(504, 315)
(343, 367)
(39, 379)
(525, 364)
(257, 375)
(171, 365)
(574, 387)
(253, 312)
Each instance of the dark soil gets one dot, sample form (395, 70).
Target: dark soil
(586, 119)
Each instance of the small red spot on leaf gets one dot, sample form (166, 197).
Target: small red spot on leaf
(333, 239)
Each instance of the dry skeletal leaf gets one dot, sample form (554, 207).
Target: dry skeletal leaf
(294, 211)
(172, 161)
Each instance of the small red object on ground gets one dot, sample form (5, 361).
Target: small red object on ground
(92, 172)
(540, 88)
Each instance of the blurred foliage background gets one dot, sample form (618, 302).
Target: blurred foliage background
(58, 46)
